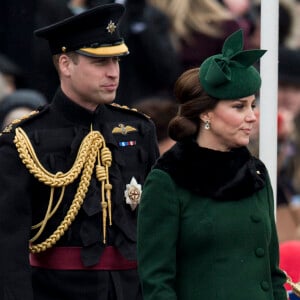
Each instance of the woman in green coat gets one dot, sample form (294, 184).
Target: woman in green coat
(206, 228)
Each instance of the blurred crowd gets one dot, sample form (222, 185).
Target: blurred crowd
(165, 37)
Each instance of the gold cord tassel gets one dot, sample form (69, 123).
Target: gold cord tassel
(108, 188)
(103, 176)
(104, 217)
(107, 160)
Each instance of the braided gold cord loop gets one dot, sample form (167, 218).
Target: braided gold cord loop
(72, 212)
(30, 160)
(84, 163)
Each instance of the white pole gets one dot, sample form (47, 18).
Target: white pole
(269, 89)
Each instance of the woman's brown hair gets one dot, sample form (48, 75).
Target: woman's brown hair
(193, 101)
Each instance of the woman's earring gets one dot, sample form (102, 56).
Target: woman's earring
(207, 125)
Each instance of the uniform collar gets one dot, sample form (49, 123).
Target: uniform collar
(74, 112)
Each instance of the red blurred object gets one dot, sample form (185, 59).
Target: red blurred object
(290, 260)
(280, 121)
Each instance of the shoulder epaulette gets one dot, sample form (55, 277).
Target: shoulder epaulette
(134, 110)
(21, 120)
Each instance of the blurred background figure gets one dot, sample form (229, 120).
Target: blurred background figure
(287, 22)
(289, 79)
(4, 88)
(244, 13)
(286, 213)
(295, 41)
(199, 28)
(152, 66)
(18, 104)
(16, 26)
(288, 163)
(161, 111)
(289, 102)
(12, 74)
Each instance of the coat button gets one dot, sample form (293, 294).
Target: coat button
(265, 285)
(255, 218)
(260, 252)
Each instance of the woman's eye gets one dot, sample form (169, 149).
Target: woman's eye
(240, 106)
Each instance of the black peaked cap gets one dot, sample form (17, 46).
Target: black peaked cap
(94, 32)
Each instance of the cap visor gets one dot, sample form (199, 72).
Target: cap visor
(105, 51)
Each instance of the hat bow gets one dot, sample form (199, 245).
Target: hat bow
(233, 55)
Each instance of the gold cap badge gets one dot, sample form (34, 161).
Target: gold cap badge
(111, 27)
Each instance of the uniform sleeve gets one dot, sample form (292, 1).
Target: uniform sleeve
(158, 223)
(15, 222)
(278, 277)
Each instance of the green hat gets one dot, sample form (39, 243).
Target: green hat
(230, 75)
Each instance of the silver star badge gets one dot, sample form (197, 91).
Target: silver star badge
(111, 27)
(133, 193)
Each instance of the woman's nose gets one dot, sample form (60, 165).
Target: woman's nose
(251, 116)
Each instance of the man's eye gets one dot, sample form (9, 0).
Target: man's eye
(99, 61)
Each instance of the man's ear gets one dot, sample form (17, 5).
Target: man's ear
(64, 63)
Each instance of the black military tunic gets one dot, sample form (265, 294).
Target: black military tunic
(56, 134)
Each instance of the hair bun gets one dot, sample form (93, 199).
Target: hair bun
(181, 128)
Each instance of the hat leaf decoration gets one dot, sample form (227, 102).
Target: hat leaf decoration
(248, 57)
(219, 71)
(233, 44)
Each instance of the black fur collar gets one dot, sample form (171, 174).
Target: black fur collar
(221, 175)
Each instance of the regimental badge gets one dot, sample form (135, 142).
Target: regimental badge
(133, 193)
(111, 27)
(122, 129)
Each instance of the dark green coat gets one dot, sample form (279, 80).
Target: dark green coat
(201, 239)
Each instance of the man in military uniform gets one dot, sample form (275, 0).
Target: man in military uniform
(72, 174)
